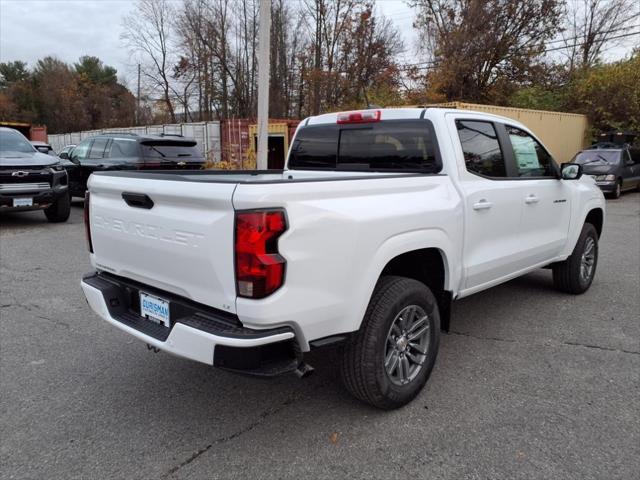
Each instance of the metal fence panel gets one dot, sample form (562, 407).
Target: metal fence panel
(214, 147)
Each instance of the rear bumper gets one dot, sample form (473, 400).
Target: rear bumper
(196, 332)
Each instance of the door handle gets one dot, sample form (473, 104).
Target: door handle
(531, 199)
(137, 200)
(482, 205)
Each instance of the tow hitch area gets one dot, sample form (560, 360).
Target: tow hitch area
(304, 370)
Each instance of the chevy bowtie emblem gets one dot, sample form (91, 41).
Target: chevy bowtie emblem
(182, 164)
(19, 173)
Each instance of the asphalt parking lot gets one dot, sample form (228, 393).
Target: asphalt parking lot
(531, 383)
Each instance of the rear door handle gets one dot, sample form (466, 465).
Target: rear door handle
(482, 205)
(531, 199)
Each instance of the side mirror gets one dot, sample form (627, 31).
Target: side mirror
(64, 155)
(570, 171)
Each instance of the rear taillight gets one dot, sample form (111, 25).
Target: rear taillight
(259, 266)
(87, 223)
(365, 116)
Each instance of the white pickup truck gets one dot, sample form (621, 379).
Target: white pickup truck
(381, 219)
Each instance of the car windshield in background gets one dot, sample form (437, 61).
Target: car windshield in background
(391, 145)
(181, 150)
(598, 157)
(14, 142)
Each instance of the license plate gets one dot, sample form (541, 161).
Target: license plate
(23, 202)
(155, 309)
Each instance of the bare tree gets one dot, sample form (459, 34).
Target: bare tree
(594, 24)
(147, 30)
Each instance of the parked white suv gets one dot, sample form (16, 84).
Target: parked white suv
(379, 221)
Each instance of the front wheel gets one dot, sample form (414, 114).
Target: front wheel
(389, 360)
(576, 273)
(617, 191)
(59, 210)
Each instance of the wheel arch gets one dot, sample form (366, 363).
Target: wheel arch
(428, 266)
(595, 217)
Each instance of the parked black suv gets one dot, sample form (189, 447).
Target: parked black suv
(30, 180)
(127, 151)
(615, 168)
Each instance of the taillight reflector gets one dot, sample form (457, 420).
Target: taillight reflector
(365, 116)
(259, 266)
(87, 222)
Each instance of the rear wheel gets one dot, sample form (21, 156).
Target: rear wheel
(389, 360)
(576, 273)
(59, 211)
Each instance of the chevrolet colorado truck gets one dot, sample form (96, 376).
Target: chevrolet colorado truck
(31, 180)
(379, 221)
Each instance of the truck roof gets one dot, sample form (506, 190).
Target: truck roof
(409, 113)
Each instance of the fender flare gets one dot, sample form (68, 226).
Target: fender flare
(397, 245)
(576, 228)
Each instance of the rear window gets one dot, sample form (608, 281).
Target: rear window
(183, 150)
(394, 145)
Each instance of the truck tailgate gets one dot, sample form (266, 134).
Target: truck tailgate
(182, 244)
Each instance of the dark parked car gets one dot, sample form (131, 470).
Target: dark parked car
(31, 180)
(614, 169)
(124, 151)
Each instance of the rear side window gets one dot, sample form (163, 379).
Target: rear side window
(124, 148)
(97, 149)
(481, 148)
(393, 145)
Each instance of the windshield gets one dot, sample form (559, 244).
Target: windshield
(598, 157)
(12, 141)
(393, 145)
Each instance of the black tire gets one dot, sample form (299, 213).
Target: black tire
(567, 275)
(363, 363)
(59, 211)
(618, 190)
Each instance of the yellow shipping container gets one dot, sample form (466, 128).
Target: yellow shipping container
(564, 134)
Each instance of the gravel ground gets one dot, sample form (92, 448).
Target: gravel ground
(530, 383)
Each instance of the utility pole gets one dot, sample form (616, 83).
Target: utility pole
(264, 39)
(138, 99)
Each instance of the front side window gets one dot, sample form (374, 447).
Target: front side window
(393, 145)
(481, 148)
(532, 160)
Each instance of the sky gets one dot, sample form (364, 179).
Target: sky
(32, 29)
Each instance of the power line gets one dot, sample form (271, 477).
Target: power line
(431, 63)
